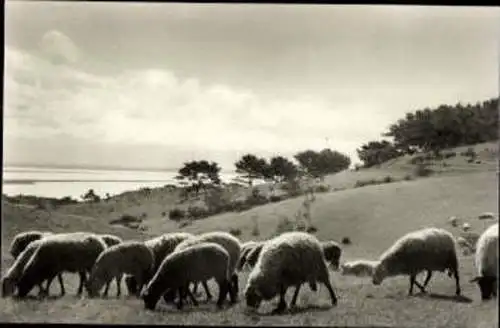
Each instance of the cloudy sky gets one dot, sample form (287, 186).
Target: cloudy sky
(153, 85)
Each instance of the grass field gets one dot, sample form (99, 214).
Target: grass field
(372, 217)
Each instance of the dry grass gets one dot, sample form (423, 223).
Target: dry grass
(372, 217)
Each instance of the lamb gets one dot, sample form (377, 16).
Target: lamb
(199, 262)
(161, 246)
(72, 252)
(428, 249)
(486, 262)
(230, 243)
(289, 259)
(130, 257)
(359, 268)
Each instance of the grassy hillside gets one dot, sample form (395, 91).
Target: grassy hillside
(371, 216)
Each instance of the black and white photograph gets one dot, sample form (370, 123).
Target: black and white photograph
(243, 164)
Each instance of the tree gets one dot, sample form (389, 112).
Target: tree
(377, 152)
(280, 169)
(199, 174)
(319, 164)
(91, 196)
(251, 167)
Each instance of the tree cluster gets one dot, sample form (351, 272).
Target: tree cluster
(435, 129)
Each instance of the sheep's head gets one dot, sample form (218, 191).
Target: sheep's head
(379, 274)
(91, 286)
(150, 298)
(253, 297)
(344, 269)
(169, 296)
(487, 286)
(332, 255)
(8, 287)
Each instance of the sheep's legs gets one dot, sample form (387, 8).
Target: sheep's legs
(207, 291)
(328, 285)
(106, 290)
(282, 304)
(427, 279)
(179, 303)
(195, 288)
(224, 288)
(190, 295)
(118, 280)
(61, 284)
(83, 280)
(458, 290)
(295, 294)
(413, 281)
(233, 292)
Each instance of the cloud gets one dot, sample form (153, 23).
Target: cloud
(59, 48)
(139, 107)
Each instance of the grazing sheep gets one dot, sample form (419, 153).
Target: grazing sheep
(23, 239)
(453, 221)
(230, 243)
(161, 246)
(472, 237)
(72, 252)
(11, 278)
(487, 216)
(466, 226)
(199, 262)
(359, 268)
(429, 249)
(486, 262)
(19, 244)
(289, 259)
(130, 257)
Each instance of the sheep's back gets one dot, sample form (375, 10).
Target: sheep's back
(127, 257)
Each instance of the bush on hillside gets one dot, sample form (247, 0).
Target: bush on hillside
(276, 198)
(235, 232)
(311, 229)
(362, 183)
(388, 179)
(176, 214)
(284, 225)
(322, 188)
(256, 198)
(126, 219)
(450, 154)
(408, 177)
(423, 170)
(346, 241)
(197, 212)
(470, 152)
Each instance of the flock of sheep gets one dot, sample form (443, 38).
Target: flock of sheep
(166, 266)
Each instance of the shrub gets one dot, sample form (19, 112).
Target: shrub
(292, 188)
(256, 198)
(478, 162)
(185, 223)
(239, 206)
(470, 160)
(126, 219)
(388, 179)
(417, 160)
(196, 212)
(144, 215)
(470, 152)
(275, 198)
(235, 232)
(362, 183)
(311, 229)
(176, 214)
(284, 225)
(450, 154)
(408, 177)
(163, 214)
(346, 241)
(322, 188)
(423, 170)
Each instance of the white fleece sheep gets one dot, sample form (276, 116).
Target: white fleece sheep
(466, 226)
(248, 249)
(229, 242)
(487, 216)
(131, 257)
(198, 262)
(429, 249)
(358, 268)
(486, 262)
(289, 259)
(162, 246)
(464, 244)
(72, 252)
(333, 252)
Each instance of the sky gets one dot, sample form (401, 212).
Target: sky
(158, 84)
